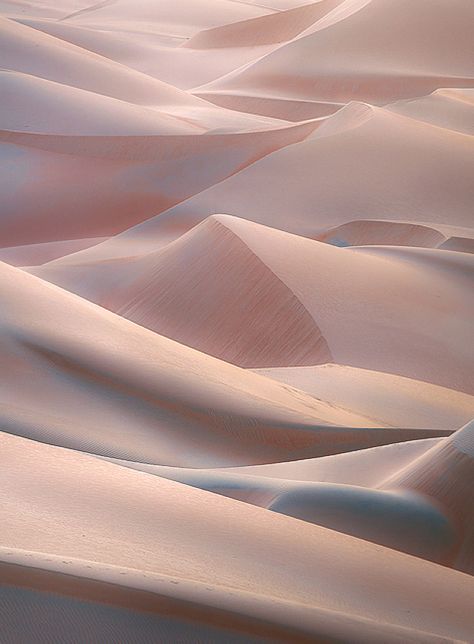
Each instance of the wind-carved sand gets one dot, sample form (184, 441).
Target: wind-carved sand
(236, 321)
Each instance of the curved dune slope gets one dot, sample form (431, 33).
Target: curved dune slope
(377, 51)
(368, 232)
(393, 400)
(104, 184)
(362, 163)
(34, 254)
(113, 521)
(178, 19)
(415, 509)
(451, 108)
(445, 473)
(37, 105)
(273, 28)
(245, 314)
(460, 244)
(99, 383)
(27, 50)
(414, 320)
(178, 66)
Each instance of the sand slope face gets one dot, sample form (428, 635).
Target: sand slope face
(371, 164)
(180, 19)
(408, 506)
(316, 573)
(37, 105)
(373, 51)
(392, 399)
(245, 315)
(372, 232)
(236, 338)
(101, 384)
(448, 108)
(445, 473)
(274, 28)
(103, 184)
(403, 323)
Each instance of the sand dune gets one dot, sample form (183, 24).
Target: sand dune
(179, 19)
(365, 50)
(155, 56)
(32, 52)
(393, 400)
(433, 525)
(451, 460)
(386, 167)
(236, 340)
(101, 384)
(247, 316)
(274, 28)
(395, 324)
(104, 184)
(375, 232)
(448, 108)
(34, 254)
(460, 244)
(319, 569)
(37, 105)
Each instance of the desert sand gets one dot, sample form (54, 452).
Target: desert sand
(236, 321)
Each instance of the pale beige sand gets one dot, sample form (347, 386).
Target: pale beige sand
(374, 165)
(376, 51)
(237, 427)
(393, 400)
(394, 324)
(97, 382)
(265, 30)
(180, 19)
(36, 105)
(104, 184)
(448, 108)
(435, 523)
(368, 232)
(34, 254)
(114, 520)
(157, 56)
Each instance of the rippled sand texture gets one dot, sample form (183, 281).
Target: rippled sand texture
(236, 321)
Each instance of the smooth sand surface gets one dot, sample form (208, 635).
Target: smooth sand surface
(411, 509)
(75, 521)
(392, 399)
(236, 305)
(372, 164)
(97, 382)
(393, 324)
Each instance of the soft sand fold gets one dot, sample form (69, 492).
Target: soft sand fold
(375, 165)
(99, 383)
(107, 183)
(394, 324)
(413, 510)
(378, 51)
(114, 520)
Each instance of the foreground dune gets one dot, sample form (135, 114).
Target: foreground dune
(433, 523)
(91, 522)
